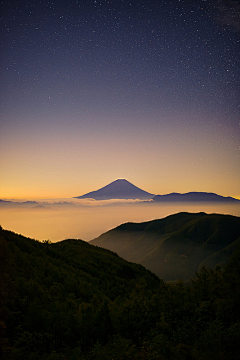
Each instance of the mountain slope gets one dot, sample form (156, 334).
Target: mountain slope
(194, 197)
(118, 189)
(173, 247)
(71, 300)
(66, 294)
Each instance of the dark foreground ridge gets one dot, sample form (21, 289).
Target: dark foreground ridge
(176, 246)
(118, 189)
(74, 301)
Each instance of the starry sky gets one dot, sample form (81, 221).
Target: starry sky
(96, 90)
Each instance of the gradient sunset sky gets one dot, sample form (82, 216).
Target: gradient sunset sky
(95, 90)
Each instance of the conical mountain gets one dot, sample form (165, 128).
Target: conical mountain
(118, 189)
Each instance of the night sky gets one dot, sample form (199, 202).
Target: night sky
(92, 91)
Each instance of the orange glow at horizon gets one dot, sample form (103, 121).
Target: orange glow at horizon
(157, 158)
(109, 95)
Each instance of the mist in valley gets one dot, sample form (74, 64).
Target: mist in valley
(57, 220)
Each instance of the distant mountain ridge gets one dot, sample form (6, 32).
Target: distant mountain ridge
(118, 189)
(193, 197)
(9, 202)
(176, 246)
(123, 189)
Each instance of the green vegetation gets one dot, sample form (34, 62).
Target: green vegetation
(176, 246)
(74, 301)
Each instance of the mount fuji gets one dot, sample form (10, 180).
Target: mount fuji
(118, 189)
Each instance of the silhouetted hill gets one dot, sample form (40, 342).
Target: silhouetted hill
(118, 189)
(71, 300)
(194, 197)
(57, 293)
(174, 247)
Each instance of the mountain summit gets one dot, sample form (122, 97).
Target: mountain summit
(118, 189)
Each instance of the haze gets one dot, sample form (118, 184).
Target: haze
(91, 220)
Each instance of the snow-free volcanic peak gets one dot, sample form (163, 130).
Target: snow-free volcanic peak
(118, 189)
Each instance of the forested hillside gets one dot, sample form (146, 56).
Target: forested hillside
(176, 246)
(74, 301)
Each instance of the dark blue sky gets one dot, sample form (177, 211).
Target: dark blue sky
(108, 86)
